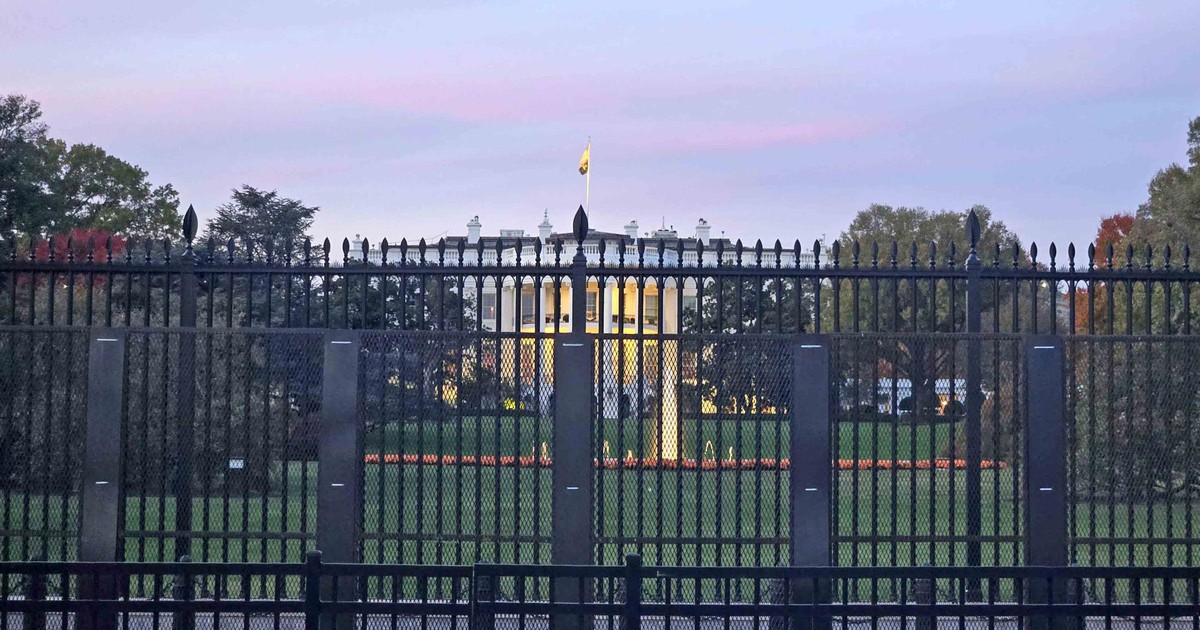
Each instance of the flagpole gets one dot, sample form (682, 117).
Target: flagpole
(587, 195)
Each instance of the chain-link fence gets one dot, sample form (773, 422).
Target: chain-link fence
(43, 390)
(458, 439)
(1134, 456)
(231, 477)
(689, 436)
(691, 440)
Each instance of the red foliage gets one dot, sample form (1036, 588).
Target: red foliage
(1113, 231)
(76, 245)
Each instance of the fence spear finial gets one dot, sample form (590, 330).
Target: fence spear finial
(190, 223)
(973, 231)
(580, 226)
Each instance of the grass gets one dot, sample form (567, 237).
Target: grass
(761, 437)
(456, 515)
(435, 514)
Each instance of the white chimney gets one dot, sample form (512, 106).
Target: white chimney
(473, 227)
(703, 231)
(631, 229)
(544, 228)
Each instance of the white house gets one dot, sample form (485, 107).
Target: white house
(621, 307)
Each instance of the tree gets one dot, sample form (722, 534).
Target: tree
(884, 235)
(1114, 231)
(50, 187)
(1171, 213)
(257, 219)
(1169, 218)
(99, 191)
(25, 201)
(746, 381)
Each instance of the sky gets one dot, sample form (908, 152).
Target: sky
(769, 120)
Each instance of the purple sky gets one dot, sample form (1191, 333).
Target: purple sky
(769, 121)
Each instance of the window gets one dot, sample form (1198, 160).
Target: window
(593, 299)
(488, 308)
(527, 306)
(689, 304)
(650, 310)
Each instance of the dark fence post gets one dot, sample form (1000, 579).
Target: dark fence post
(810, 474)
(1045, 470)
(185, 395)
(974, 404)
(35, 591)
(102, 493)
(924, 595)
(183, 592)
(632, 617)
(482, 594)
(312, 590)
(339, 457)
(572, 522)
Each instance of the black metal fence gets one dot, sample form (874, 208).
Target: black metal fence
(315, 595)
(633, 286)
(698, 406)
(739, 451)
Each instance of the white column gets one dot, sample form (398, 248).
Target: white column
(508, 309)
(545, 305)
(606, 316)
(669, 307)
(608, 392)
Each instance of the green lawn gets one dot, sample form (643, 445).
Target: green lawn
(749, 438)
(437, 514)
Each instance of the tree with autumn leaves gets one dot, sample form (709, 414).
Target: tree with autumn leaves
(1134, 399)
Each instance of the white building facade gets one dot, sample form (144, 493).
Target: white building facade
(622, 308)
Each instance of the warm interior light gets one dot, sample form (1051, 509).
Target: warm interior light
(670, 416)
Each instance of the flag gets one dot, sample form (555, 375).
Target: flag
(583, 161)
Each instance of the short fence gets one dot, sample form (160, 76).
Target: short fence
(318, 595)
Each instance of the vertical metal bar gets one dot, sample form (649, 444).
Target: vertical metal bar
(102, 496)
(185, 393)
(1046, 466)
(974, 409)
(632, 617)
(339, 451)
(312, 590)
(572, 522)
(810, 477)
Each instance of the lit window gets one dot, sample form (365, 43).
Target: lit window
(650, 311)
(593, 299)
(489, 306)
(527, 306)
